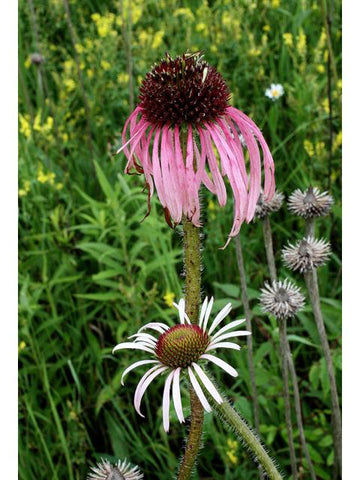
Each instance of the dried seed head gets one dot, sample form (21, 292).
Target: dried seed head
(183, 90)
(306, 254)
(310, 203)
(182, 345)
(37, 58)
(120, 471)
(265, 207)
(282, 299)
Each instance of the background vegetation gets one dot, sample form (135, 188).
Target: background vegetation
(91, 273)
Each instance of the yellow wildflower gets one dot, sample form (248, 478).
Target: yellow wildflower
(232, 457)
(27, 62)
(169, 298)
(158, 38)
(254, 52)
(22, 345)
(90, 72)
(59, 186)
(139, 79)
(69, 65)
(79, 48)
(26, 188)
(339, 84)
(301, 43)
(185, 12)
(211, 205)
(143, 37)
(65, 137)
(22, 192)
(95, 17)
(123, 77)
(200, 27)
(213, 48)
(105, 65)
(288, 39)
(326, 55)
(319, 148)
(275, 3)
(41, 177)
(51, 178)
(69, 84)
(233, 444)
(338, 141)
(25, 127)
(309, 148)
(320, 68)
(325, 105)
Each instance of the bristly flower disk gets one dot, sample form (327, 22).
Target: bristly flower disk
(310, 203)
(265, 207)
(306, 254)
(183, 348)
(282, 299)
(182, 121)
(120, 471)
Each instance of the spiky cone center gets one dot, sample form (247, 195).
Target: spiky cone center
(183, 90)
(182, 345)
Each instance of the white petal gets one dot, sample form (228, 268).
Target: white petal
(159, 327)
(144, 335)
(182, 314)
(144, 383)
(215, 345)
(177, 395)
(225, 366)
(166, 401)
(135, 365)
(220, 317)
(237, 333)
(134, 346)
(203, 310)
(231, 325)
(207, 314)
(198, 391)
(210, 387)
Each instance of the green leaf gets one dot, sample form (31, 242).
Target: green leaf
(229, 289)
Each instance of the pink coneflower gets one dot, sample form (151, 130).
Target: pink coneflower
(183, 348)
(182, 123)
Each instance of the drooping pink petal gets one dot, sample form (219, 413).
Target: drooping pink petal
(205, 140)
(135, 365)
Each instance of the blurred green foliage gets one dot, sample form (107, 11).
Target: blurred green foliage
(91, 272)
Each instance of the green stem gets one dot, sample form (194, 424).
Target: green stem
(192, 265)
(269, 247)
(285, 375)
(313, 289)
(232, 418)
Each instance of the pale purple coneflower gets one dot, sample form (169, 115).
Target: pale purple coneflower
(181, 349)
(306, 254)
(182, 120)
(310, 203)
(120, 471)
(282, 299)
(264, 206)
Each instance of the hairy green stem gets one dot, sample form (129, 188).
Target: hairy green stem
(285, 375)
(232, 418)
(247, 312)
(313, 289)
(192, 265)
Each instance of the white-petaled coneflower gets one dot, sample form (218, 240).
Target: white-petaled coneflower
(183, 348)
(122, 470)
(282, 299)
(310, 203)
(306, 254)
(182, 121)
(265, 207)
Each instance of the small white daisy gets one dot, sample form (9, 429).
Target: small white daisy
(181, 349)
(275, 91)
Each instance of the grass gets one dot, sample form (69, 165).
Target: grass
(91, 272)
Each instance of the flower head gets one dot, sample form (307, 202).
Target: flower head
(281, 299)
(36, 58)
(120, 471)
(264, 207)
(182, 122)
(310, 203)
(182, 349)
(275, 91)
(306, 254)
